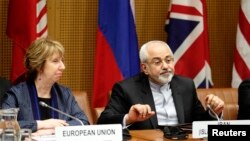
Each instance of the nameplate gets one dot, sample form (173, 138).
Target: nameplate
(110, 132)
(200, 128)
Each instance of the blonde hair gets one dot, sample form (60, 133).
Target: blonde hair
(38, 52)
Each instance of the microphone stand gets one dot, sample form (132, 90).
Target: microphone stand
(211, 110)
(61, 112)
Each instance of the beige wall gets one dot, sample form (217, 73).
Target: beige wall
(74, 23)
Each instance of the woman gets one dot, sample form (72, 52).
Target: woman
(44, 64)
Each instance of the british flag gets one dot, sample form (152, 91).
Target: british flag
(241, 66)
(186, 26)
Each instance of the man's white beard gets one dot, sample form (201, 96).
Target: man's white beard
(164, 79)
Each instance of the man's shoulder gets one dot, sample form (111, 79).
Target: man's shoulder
(245, 84)
(182, 79)
(138, 78)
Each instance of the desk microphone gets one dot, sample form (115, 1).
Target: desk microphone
(61, 112)
(212, 111)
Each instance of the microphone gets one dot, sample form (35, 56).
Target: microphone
(61, 112)
(212, 111)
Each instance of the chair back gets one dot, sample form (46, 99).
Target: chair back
(228, 95)
(83, 102)
(4, 86)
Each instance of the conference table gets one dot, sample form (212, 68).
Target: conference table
(153, 135)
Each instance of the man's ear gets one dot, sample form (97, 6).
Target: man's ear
(144, 68)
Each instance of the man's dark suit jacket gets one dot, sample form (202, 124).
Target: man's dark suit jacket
(136, 90)
(244, 99)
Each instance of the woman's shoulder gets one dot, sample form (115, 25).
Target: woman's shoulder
(19, 86)
(19, 89)
(64, 89)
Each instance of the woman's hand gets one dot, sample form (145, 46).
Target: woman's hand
(50, 123)
(43, 132)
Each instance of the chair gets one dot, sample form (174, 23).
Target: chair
(83, 102)
(20, 78)
(4, 86)
(97, 112)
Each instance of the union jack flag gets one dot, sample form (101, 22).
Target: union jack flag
(188, 38)
(241, 66)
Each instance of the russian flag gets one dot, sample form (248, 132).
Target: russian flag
(117, 55)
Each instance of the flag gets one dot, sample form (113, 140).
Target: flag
(117, 56)
(27, 20)
(241, 65)
(187, 31)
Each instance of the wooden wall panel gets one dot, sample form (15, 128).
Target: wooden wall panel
(74, 24)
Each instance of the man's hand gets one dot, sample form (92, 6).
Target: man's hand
(215, 103)
(139, 112)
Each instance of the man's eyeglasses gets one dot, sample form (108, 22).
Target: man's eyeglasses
(159, 62)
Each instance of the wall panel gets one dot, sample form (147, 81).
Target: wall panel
(74, 24)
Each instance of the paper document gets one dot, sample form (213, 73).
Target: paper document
(44, 138)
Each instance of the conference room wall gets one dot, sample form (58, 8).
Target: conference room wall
(74, 24)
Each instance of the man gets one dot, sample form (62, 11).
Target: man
(157, 97)
(243, 99)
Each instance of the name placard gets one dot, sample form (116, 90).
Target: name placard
(110, 132)
(200, 128)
